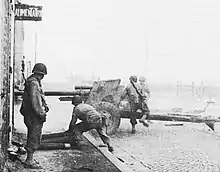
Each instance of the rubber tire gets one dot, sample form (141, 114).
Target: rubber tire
(114, 120)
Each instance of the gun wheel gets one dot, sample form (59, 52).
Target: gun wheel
(112, 113)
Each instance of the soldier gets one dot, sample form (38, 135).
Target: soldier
(146, 96)
(133, 91)
(34, 110)
(91, 119)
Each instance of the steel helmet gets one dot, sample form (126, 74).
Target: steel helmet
(133, 78)
(142, 79)
(40, 68)
(77, 100)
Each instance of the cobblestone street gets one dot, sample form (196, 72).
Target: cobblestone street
(163, 148)
(158, 148)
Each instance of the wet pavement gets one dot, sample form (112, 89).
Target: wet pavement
(160, 148)
(190, 147)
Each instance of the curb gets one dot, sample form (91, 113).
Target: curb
(110, 156)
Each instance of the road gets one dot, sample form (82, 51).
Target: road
(160, 148)
(157, 148)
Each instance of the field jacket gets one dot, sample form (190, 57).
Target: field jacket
(33, 98)
(131, 93)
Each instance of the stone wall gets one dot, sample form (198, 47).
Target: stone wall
(5, 54)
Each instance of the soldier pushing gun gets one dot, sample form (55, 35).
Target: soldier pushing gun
(91, 119)
(134, 91)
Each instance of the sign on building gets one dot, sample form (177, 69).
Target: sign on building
(28, 12)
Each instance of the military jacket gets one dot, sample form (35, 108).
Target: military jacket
(145, 91)
(87, 113)
(33, 98)
(131, 92)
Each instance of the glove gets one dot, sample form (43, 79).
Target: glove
(46, 108)
(104, 121)
(43, 118)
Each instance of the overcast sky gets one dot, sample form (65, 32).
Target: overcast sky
(165, 40)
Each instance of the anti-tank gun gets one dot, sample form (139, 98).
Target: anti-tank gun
(102, 95)
(105, 97)
(111, 94)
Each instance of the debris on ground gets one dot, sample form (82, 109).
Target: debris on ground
(86, 158)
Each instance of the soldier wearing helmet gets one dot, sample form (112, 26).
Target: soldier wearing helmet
(131, 91)
(145, 88)
(133, 78)
(91, 119)
(34, 109)
(142, 79)
(40, 68)
(146, 96)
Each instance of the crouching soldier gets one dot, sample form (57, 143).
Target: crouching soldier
(34, 110)
(90, 119)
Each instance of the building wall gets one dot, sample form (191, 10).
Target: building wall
(19, 53)
(5, 70)
(1, 34)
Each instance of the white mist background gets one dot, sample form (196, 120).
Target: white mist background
(163, 40)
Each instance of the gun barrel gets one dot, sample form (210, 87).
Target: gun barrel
(59, 93)
(83, 87)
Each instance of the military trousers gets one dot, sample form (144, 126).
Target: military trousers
(83, 126)
(34, 132)
(134, 107)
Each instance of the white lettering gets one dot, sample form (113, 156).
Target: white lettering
(31, 12)
(28, 13)
(25, 12)
(34, 12)
(22, 12)
(39, 13)
(17, 12)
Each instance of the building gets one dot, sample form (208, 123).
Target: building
(6, 75)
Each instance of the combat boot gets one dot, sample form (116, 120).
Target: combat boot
(144, 123)
(76, 142)
(110, 148)
(133, 130)
(21, 151)
(142, 120)
(30, 162)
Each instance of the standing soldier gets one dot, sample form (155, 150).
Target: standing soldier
(133, 91)
(34, 110)
(91, 119)
(146, 96)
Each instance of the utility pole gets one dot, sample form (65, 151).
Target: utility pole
(35, 43)
(146, 55)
